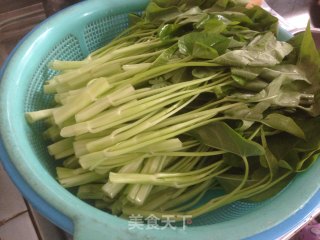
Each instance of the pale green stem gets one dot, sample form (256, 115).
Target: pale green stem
(103, 103)
(112, 189)
(94, 89)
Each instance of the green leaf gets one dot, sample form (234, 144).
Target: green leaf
(248, 73)
(309, 61)
(193, 15)
(262, 19)
(272, 189)
(255, 86)
(190, 20)
(269, 158)
(231, 3)
(191, 3)
(240, 2)
(247, 78)
(281, 148)
(239, 80)
(268, 43)
(168, 31)
(283, 123)
(240, 33)
(207, 4)
(180, 75)
(203, 72)
(243, 112)
(311, 128)
(156, 14)
(295, 41)
(220, 136)
(197, 44)
(245, 125)
(134, 19)
(307, 160)
(280, 92)
(262, 51)
(233, 160)
(222, 3)
(165, 56)
(229, 182)
(235, 44)
(285, 165)
(293, 159)
(201, 50)
(291, 72)
(166, 3)
(234, 17)
(215, 24)
(309, 58)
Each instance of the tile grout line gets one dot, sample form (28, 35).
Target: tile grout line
(3, 222)
(33, 220)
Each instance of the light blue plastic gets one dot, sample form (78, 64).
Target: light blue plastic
(71, 34)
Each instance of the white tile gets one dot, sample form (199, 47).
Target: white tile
(19, 228)
(11, 201)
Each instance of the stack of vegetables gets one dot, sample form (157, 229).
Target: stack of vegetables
(195, 96)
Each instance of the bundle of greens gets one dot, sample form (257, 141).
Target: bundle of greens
(195, 96)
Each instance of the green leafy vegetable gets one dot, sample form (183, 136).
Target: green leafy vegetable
(264, 51)
(220, 136)
(196, 96)
(283, 123)
(205, 45)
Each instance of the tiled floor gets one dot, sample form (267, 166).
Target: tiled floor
(18, 221)
(16, 19)
(12, 206)
(17, 218)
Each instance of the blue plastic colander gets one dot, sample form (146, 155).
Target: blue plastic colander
(71, 35)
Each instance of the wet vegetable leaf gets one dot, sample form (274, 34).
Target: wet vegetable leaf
(283, 123)
(268, 160)
(262, 51)
(220, 136)
(271, 190)
(231, 181)
(156, 14)
(205, 45)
